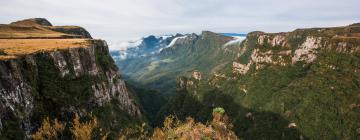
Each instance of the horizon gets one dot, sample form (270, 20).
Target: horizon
(133, 19)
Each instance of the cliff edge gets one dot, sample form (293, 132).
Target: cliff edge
(49, 72)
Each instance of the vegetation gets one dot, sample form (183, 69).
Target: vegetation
(151, 101)
(49, 130)
(80, 130)
(219, 128)
(317, 100)
(83, 131)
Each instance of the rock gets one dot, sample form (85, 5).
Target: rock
(307, 51)
(196, 75)
(292, 125)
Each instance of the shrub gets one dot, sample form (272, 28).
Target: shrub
(52, 130)
(83, 131)
(49, 130)
(219, 110)
(219, 128)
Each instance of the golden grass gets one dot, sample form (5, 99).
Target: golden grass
(21, 32)
(19, 47)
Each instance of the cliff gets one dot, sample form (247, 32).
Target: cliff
(301, 45)
(59, 78)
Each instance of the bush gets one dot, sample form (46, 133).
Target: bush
(49, 130)
(219, 128)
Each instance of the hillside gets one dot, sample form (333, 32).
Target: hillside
(59, 72)
(208, 53)
(293, 85)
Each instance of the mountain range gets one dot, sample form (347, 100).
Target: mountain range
(156, 61)
(57, 82)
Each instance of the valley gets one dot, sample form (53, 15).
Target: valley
(292, 85)
(58, 82)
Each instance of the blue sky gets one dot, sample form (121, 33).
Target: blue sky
(128, 19)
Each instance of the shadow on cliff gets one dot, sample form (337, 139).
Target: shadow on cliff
(248, 123)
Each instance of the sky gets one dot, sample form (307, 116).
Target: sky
(121, 20)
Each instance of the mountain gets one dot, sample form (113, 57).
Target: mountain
(141, 48)
(157, 62)
(59, 72)
(302, 84)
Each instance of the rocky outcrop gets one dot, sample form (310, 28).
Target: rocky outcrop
(302, 45)
(307, 51)
(196, 75)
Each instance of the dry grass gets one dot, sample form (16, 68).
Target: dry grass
(20, 47)
(23, 32)
(83, 130)
(49, 130)
(218, 129)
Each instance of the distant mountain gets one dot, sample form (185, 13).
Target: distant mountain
(143, 47)
(233, 34)
(157, 61)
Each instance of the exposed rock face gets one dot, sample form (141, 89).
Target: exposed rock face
(302, 45)
(196, 75)
(240, 68)
(307, 51)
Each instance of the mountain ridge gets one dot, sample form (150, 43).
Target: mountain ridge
(172, 59)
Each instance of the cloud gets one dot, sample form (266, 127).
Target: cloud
(129, 19)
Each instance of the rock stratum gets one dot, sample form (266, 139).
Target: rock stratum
(57, 72)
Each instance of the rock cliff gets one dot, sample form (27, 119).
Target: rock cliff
(60, 78)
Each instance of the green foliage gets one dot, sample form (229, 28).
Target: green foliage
(321, 97)
(11, 129)
(105, 61)
(112, 117)
(219, 110)
(150, 100)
